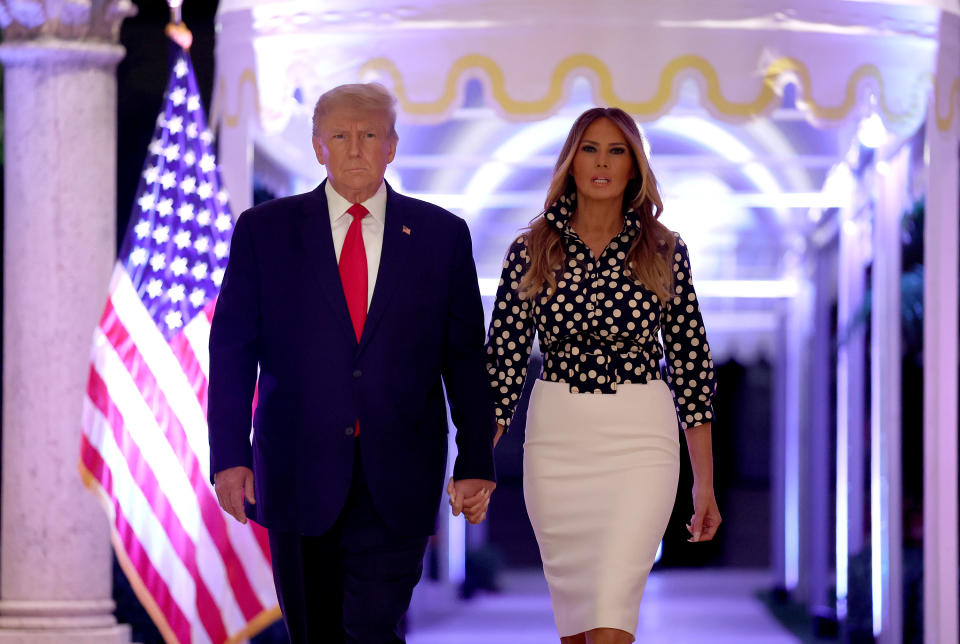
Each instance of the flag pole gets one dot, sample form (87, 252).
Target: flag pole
(175, 6)
(176, 30)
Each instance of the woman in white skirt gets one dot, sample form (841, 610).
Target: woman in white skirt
(597, 276)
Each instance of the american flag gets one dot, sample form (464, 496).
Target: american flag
(202, 576)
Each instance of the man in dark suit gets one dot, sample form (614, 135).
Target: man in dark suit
(358, 305)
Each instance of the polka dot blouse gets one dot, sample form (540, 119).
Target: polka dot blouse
(600, 327)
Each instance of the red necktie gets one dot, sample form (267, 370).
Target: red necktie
(353, 269)
(353, 274)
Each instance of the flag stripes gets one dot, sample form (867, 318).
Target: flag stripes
(203, 577)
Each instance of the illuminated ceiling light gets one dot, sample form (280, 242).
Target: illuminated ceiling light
(718, 140)
(519, 147)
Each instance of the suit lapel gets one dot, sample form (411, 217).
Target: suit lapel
(393, 256)
(317, 239)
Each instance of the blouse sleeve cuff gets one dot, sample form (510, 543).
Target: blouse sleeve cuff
(503, 417)
(690, 418)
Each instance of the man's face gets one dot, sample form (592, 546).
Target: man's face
(355, 147)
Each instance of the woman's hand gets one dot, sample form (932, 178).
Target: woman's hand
(501, 428)
(471, 497)
(706, 515)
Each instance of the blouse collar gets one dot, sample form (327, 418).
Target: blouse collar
(561, 211)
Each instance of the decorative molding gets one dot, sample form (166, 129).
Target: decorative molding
(71, 20)
(766, 98)
(944, 123)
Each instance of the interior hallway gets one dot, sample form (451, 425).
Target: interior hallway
(679, 607)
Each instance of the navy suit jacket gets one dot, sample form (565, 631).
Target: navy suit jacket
(282, 308)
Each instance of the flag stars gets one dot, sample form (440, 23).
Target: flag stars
(172, 152)
(199, 270)
(165, 207)
(173, 320)
(168, 180)
(205, 190)
(154, 288)
(193, 103)
(185, 212)
(192, 131)
(179, 266)
(190, 158)
(180, 68)
(175, 293)
(203, 217)
(161, 234)
(158, 262)
(207, 137)
(142, 229)
(189, 186)
(220, 249)
(197, 296)
(202, 245)
(207, 163)
(138, 257)
(223, 222)
(217, 277)
(151, 174)
(175, 125)
(222, 197)
(182, 239)
(155, 147)
(147, 202)
(178, 96)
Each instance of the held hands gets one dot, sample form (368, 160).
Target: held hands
(470, 496)
(706, 515)
(232, 485)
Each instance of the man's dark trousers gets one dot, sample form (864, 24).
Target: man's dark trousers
(351, 584)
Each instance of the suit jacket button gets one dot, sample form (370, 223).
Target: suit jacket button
(357, 373)
(348, 431)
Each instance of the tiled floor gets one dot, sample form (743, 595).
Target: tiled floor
(679, 607)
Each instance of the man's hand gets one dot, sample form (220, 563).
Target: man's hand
(231, 485)
(470, 496)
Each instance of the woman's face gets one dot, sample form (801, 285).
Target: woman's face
(602, 164)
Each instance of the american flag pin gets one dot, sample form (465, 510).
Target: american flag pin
(405, 230)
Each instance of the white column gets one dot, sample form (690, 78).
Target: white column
(885, 460)
(851, 398)
(816, 479)
(235, 158)
(941, 239)
(60, 217)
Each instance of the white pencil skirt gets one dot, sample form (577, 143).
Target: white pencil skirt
(599, 479)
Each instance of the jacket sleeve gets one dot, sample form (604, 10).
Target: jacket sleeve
(234, 333)
(690, 372)
(463, 374)
(510, 336)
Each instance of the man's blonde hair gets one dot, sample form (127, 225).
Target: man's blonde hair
(358, 96)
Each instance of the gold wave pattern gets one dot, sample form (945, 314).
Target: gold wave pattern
(765, 100)
(248, 76)
(944, 122)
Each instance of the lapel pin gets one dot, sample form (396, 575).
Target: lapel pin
(405, 230)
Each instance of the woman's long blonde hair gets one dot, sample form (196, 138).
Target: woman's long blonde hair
(651, 255)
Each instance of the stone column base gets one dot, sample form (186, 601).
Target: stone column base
(118, 634)
(89, 621)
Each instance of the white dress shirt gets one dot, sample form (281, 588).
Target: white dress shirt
(371, 228)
